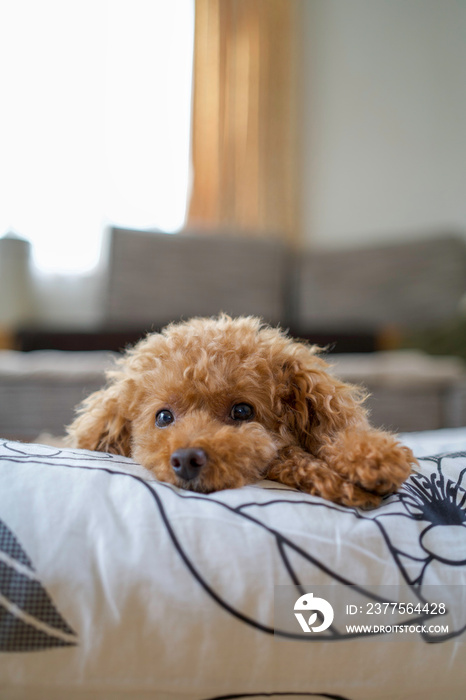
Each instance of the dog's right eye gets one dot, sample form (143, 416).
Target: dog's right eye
(242, 412)
(164, 418)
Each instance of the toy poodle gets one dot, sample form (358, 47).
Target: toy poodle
(217, 403)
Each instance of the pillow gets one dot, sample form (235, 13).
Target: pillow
(115, 585)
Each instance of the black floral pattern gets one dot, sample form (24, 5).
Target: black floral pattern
(29, 620)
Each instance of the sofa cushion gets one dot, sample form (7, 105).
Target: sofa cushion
(39, 390)
(156, 277)
(409, 390)
(416, 284)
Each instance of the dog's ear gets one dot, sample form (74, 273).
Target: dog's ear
(102, 421)
(319, 404)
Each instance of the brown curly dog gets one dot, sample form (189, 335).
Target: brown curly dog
(217, 403)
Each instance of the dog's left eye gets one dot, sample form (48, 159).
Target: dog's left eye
(242, 411)
(164, 418)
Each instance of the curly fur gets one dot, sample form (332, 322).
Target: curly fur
(310, 430)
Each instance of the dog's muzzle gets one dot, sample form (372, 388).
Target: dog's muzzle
(188, 463)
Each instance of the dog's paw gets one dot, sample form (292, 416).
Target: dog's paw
(373, 460)
(299, 469)
(356, 496)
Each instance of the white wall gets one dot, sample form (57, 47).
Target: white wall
(383, 114)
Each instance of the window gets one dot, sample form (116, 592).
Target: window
(95, 121)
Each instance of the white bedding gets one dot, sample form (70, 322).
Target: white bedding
(114, 585)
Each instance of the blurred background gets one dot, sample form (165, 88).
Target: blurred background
(301, 160)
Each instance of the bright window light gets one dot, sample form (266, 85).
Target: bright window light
(95, 122)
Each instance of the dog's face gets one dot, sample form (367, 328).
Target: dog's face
(207, 415)
(207, 404)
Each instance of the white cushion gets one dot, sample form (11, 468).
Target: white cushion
(114, 585)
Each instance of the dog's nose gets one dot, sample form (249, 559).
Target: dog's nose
(187, 463)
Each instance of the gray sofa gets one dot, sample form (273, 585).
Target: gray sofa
(153, 278)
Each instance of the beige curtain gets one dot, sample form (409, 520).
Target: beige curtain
(243, 117)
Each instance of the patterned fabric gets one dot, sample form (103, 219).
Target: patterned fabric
(111, 581)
